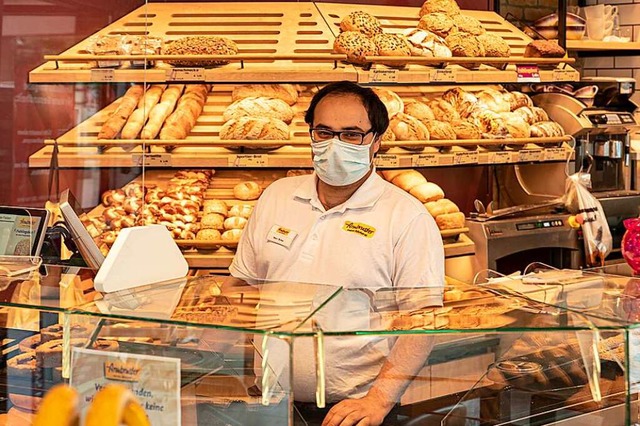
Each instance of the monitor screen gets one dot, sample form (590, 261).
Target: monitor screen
(22, 230)
(72, 211)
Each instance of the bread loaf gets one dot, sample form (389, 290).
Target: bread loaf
(355, 45)
(491, 125)
(241, 210)
(443, 110)
(200, 45)
(247, 191)
(527, 114)
(408, 128)
(442, 206)
(254, 128)
(518, 100)
(120, 115)
(468, 24)
(427, 191)
(139, 117)
(516, 125)
(462, 101)
(493, 100)
(494, 45)
(544, 49)
(450, 221)
(391, 100)
(546, 129)
(438, 23)
(161, 111)
(361, 22)
(286, 92)
(448, 7)
(232, 235)
(465, 129)
(390, 174)
(464, 45)
(259, 107)
(208, 234)
(440, 130)
(408, 179)
(392, 45)
(419, 110)
(426, 43)
(539, 114)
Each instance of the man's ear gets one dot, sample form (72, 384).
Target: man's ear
(376, 144)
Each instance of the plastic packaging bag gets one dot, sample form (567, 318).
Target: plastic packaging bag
(590, 215)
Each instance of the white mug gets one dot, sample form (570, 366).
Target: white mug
(596, 28)
(596, 11)
(610, 11)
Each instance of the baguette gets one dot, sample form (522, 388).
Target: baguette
(117, 120)
(190, 106)
(139, 117)
(161, 111)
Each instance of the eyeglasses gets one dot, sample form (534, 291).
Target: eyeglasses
(348, 136)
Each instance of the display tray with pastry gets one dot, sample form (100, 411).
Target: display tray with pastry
(262, 125)
(287, 41)
(435, 44)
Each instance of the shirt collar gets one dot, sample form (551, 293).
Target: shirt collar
(366, 196)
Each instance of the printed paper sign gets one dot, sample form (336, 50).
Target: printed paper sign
(151, 160)
(528, 74)
(185, 74)
(387, 160)
(249, 160)
(383, 76)
(155, 381)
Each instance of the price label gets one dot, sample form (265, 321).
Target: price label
(425, 160)
(443, 76)
(565, 75)
(387, 160)
(467, 157)
(185, 74)
(501, 157)
(249, 160)
(555, 154)
(103, 75)
(383, 75)
(527, 155)
(528, 74)
(151, 160)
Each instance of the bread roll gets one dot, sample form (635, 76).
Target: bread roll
(464, 45)
(464, 102)
(440, 130)
(442, 206)
(361, 22)
(438, 23)
(452, 295)
(426, 43)
(392, 45)
(259, 107)
(285, 92)
(241, 210)
(390, 99)
(235, 222)
(215, 206)
(355, 45)
(208, 234)
(408, 179)
(450, 221)
(247, 191)
(254, 128)
(468, 24)
(212, 221)
(408, 128)
(232, 235)
(390, 174)
(120, 115)
(516, 125)
(465, 129)
(200, 45)
(494, 46)
(443, 110)
(427, 191)
(419, 110)
(448, 7)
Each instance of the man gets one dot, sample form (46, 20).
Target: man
(346, 226)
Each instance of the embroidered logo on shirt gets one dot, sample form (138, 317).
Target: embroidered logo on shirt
(363, 229)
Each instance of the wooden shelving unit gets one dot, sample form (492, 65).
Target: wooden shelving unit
(601, 46)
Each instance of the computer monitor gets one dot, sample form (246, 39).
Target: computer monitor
(22, 230)
(71, 212)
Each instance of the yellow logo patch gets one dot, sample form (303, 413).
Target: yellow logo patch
(122, 370)
(363, 229)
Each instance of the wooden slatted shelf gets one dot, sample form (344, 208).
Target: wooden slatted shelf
(601, 46)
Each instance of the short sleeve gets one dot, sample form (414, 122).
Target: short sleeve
(245, 262)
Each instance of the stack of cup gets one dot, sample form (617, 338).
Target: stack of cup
(601, 20)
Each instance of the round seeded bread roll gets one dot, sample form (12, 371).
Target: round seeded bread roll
(390, 99)
(442, 206)
(212, 221)
(392, 45)
(419, 110)
(440, 130)
(448, 7)
(468, 24)
(235, 222)
(215, 206)
(426, 43)
(200, 45)
(427, 191)
(494, 46)
(408, 128)
(259, 107)
(465, 129)
(438, 23)
(254, 128)
(517, 126)
(355, 45)
(208, 234)
(450, 220)
(408, 179)
(443, 110)
(464, 45)
(286, 92)
(247, 191)
(361, 22)
(241, 210)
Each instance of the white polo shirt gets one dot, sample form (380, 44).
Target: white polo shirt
(380, 237)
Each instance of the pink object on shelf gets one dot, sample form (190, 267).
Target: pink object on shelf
(631, 244)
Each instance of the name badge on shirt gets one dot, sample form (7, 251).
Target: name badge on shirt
(281, 236)
(362, 229)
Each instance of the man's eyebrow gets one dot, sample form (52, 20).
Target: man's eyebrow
(324, 126)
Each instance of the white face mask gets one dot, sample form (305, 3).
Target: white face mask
(340, 163)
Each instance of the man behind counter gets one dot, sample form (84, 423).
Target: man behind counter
(349, 227)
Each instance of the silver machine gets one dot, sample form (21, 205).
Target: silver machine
(531, 225)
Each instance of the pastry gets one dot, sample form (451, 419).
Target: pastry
(443, 110)
(427, 191)
(49, 355)
(200, 45)
(361, 22)
(285, 92)
(465, 129)
(235, 222)
(120, 115)
(441, 206)
(448, 7)
(516, 125)
(419, 110)
(55, 331)
(426, 43)
(259, 107)
(355, 45)
(464, 45)
(392, 45)
(241, 210)
(464, 102)
(438, 23)
(407, 179)
(546, 129)
(440, 130)
(494, 45)
(390, 99)
(468, 24)
(247, 191)
(215, 206)
(212, 221)
(254, 128)
(544, 49)
(450, 220)
(22, 365)
(29, 343)
(408, 128)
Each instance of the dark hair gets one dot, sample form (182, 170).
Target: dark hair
(377, 112)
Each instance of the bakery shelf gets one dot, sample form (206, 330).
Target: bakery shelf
(397, 18)
(263, 31)
(601, 46)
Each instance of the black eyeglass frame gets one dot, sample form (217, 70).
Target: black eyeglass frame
(339, 134)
